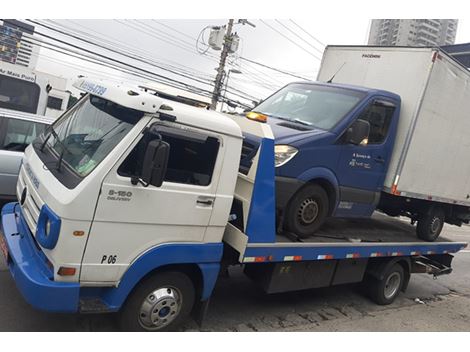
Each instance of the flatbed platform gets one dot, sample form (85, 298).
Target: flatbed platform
(378, 228)
(379, 236)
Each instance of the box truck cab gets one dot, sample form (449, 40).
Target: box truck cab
(344, 150)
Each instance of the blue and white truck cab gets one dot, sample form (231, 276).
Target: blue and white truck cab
(133, 204)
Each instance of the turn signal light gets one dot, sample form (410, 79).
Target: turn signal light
(256, 116)
(64, 271)
(78, 233)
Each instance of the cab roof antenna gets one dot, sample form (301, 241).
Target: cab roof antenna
(331, 79)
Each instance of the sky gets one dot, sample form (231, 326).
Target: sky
(171, 43)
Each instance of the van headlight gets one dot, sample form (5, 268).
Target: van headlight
(283, 153)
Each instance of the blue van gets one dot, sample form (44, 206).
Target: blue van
(333, 146)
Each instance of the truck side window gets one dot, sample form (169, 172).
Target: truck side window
(191, 161)
(19, 134)
(379, 115)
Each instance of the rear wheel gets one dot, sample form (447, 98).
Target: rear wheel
(384, 291)
(307, 211)
(160, 303)
(430, 224)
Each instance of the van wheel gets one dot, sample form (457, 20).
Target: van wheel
(307, 211)
(159, 303)
(430, 224)
(385, 291)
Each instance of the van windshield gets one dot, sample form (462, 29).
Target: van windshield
(314, 105)
(84, 137)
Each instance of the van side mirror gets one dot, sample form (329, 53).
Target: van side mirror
(155, 162)
(358, 132)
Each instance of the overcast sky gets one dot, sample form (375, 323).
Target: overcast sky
(172, 44)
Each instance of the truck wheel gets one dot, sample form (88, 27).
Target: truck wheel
(430, 224)
(307, 211)
(159, 303)
(385, 291)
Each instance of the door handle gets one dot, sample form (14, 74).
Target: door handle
(205, 201)
(379, 160)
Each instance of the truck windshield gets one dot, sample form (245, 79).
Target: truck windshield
(83, 138)
(316, 105)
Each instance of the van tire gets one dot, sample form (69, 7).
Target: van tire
(430, 223)
(159, 303)
(307, 211)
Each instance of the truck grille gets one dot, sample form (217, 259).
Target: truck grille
(32, 204)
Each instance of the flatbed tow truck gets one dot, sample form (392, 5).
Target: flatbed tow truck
(133, 204)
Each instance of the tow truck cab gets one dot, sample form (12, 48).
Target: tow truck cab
(115, 177)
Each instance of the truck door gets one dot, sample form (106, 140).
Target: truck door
(362, 168)
(132, 218)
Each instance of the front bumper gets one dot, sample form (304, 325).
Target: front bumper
(29, 267)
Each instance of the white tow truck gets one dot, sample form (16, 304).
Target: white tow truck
(132, 203)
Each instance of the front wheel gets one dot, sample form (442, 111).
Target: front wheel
(430, 224)
(159, 303)
(307, 211)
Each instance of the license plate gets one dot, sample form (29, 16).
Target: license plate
(3, 248)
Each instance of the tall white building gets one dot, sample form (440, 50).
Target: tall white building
(18, 45)
(413, 32)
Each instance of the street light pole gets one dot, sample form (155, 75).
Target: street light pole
(234, 70)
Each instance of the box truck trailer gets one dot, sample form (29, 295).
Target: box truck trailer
(134, 204)
(383, 128)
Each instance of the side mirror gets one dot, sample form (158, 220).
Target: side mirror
(358, 132)
(155, 162)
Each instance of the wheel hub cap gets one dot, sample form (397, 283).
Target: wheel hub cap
(160, 308)
(392, 285)
(435, 224)
(308, 211)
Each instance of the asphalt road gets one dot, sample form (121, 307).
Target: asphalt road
(238, 305)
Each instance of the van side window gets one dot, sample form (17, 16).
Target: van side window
(191, 161)
(18, 134)
(379, 115)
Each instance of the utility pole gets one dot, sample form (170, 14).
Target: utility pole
(220, 70)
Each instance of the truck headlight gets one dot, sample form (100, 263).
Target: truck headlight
(283, 153)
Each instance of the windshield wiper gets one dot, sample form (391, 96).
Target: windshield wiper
(302, 122)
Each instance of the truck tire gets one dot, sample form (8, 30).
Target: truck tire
(385, 291)
(430, 224)
(307, 211)
(160, 303)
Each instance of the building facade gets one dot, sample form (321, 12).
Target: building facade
(413, 32)
(17, 44)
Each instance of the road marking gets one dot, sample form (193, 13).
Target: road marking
(464, 251)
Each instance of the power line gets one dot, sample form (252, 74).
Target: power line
(311, 36)
(123, 54)
(290, 40)
(272, 68)
(245, 95)
(298, 36)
